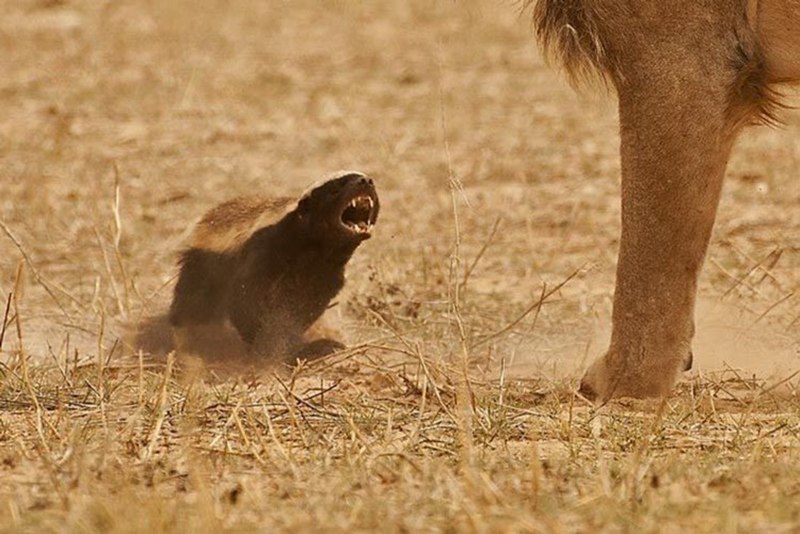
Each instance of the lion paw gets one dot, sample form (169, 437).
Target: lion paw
(612, 377)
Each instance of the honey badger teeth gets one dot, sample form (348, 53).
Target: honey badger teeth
(361, 202)
(357, 214)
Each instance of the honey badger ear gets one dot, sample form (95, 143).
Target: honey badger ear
(304, 202)
(303, 206)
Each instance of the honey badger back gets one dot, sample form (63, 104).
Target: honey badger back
(272, 266)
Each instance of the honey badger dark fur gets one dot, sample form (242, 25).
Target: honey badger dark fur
(271, 266)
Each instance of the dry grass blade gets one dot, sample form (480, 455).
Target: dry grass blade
(6, 311)
(771, 259)
(769, 309)
(22, 357)
(39, 278)
(486, 244)
(160, 410)
(116, 210)
(110, 274)
(533, 307)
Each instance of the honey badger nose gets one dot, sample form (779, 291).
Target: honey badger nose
(364, 180)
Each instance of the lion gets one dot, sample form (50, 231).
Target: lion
(689, 76)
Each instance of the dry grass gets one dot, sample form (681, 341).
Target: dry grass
(470, 314)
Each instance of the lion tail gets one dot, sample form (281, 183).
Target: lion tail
(571, 32)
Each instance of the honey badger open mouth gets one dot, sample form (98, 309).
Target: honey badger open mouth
(358, 215)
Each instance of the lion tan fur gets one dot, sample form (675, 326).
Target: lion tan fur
(689, 74)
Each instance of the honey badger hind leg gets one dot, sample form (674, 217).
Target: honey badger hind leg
(199, 298)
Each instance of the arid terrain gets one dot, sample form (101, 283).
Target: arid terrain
(470, 314)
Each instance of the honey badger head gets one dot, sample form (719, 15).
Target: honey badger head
(344, 207)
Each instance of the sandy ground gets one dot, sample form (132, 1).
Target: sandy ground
(122, 122)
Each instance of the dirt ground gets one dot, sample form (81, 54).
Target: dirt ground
(122, 122)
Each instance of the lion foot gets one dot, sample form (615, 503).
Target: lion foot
(612, 377)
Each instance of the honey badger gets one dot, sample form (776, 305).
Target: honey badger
(271, 266)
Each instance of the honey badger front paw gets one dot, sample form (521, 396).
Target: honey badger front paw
(318, 348)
